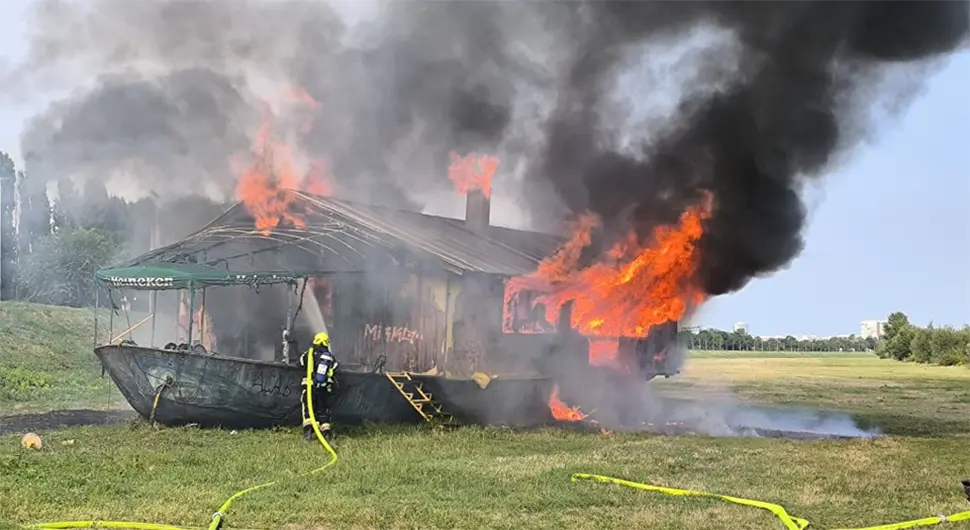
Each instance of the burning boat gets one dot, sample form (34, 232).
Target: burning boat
(416, 304)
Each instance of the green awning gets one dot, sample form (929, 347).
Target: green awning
(166, 276)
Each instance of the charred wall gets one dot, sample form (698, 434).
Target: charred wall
(398, 315)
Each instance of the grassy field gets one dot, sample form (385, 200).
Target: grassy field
(416, 477)
(47, 362)
(901, 398)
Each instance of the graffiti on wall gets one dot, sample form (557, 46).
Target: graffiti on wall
(392, 334)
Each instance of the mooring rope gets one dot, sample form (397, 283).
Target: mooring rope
(158, 395)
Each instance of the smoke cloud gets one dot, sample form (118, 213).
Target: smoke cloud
(178, 88)
(173, 90)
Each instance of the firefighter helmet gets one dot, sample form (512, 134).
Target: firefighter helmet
(322, 339)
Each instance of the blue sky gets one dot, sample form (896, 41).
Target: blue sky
(889, 230)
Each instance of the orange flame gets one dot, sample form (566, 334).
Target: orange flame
(472, 172)
(559, 265)
(629, 290)
(561, 411)
(263, 183)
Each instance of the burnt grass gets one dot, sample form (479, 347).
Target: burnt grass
(683, 429)
(59, 419)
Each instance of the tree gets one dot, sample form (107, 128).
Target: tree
(60, 269)
(35, 213)
(8, 236)
(899, 347)
(93, 209)
(919, 347)
(898, 334)
(947, 346)
(894, 323)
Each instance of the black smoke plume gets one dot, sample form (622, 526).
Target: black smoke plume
(178, 87)
(785, 114)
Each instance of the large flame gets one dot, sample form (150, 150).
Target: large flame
(263, 182)
(631, 288)
(472, 172)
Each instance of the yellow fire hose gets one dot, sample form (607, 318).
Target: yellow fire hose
(219, 517)
(790, 521)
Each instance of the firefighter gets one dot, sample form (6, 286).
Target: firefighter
(324, 383)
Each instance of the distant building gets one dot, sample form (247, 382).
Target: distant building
(873, 328)
(741, 326)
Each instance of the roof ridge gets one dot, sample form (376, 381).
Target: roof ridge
(458, 220)
(456, 223)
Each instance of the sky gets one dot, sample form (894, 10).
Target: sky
(889, 230)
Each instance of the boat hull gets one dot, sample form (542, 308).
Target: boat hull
(217, 391)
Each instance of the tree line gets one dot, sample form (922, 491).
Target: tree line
(900, 340)
(50, 250)
(741, 340)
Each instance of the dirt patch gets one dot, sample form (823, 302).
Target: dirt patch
(62, 418)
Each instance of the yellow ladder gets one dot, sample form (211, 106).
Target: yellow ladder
(417, 397)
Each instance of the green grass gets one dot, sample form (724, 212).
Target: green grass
(472, 478)
(718, 354)
(415, 477)
(47, 360)
(901, 398)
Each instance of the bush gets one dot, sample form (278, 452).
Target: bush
(948, 346)
(60, 268)
(945, 346)
(919, 348)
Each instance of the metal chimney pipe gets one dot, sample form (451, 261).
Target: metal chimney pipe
(477, 212)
